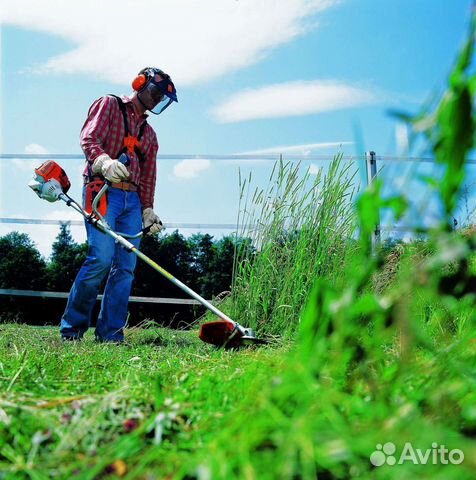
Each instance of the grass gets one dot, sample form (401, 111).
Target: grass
(376, 349)
(393, 364)
(383, 353)
(156, 407)
(87, 410)
(386, 345)
(300, 225)
(167, 406)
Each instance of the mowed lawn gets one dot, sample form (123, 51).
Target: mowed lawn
(139, 410)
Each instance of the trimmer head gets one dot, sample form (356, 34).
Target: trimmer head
(223, 333)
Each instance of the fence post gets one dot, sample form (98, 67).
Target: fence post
(371, 161)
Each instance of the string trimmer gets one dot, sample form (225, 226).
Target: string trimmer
(52, 184)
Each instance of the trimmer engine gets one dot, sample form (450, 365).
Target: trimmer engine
(50, 181)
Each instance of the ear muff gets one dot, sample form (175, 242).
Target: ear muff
(139, 82)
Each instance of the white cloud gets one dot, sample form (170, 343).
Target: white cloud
(26, 165)
(314, 169)
(301, 149)
(192, 40)
(262, 156)
(292, 99)
(29, 165)
(36, 149)
(191, 168)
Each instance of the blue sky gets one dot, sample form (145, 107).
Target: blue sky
(252, 76)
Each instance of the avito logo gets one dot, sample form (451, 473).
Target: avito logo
(437, 454)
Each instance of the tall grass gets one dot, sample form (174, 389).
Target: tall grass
(300, 226)
(373, 366)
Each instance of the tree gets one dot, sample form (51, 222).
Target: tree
(203, 254)
(21, 264)
(146, 280)
(23, 268)
(66, 260)
(199, 262)
(173, 253)
(219, 275)
(221, 271)
(176, 256)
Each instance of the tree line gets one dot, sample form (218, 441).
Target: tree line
(200, 261)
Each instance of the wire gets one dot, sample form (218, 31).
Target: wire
(198, 226)
(238, 156)
(45, 294)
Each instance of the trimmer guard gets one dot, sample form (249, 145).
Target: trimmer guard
(223, 333)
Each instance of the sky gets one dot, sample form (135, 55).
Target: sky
(302, 77)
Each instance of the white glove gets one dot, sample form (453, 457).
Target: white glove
(112, 170)
(150, 218)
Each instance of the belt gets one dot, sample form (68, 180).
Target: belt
(126, 186)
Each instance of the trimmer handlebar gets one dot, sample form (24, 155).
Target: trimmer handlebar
(125, 160)
(96, 200)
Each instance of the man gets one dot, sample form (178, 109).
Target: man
(115, 126)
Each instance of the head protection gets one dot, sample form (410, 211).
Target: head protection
(153, 93)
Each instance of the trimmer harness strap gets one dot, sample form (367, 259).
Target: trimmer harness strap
(131, 144)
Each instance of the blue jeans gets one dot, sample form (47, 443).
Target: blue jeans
(124, 214)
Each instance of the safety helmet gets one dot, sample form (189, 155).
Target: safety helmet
(154, 94)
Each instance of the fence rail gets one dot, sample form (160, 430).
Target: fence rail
(35, 293)
(232, 156)
(184, 156)
(198, 226)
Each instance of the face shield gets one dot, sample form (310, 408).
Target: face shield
(156, 96)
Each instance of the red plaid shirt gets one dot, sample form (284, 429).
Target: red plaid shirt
(103, 132)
